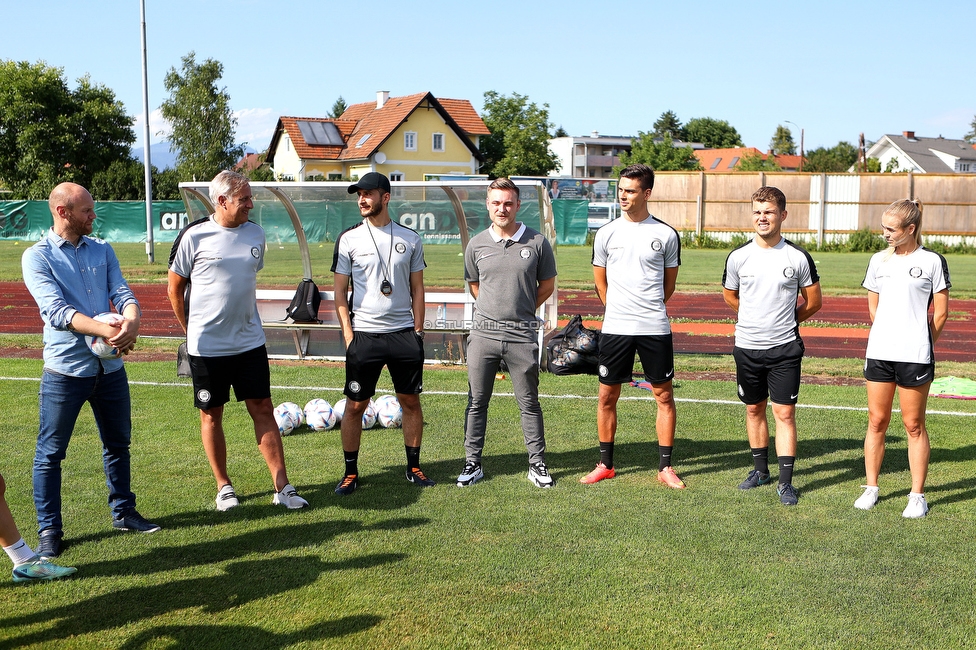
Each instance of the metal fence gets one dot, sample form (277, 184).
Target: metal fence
(821, 207)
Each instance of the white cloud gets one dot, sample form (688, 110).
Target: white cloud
(159, 128)
(255, 126)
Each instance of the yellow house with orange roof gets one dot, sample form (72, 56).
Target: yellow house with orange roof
(404, 138)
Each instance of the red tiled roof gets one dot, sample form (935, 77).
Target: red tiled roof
(707, 157)
(725, 157)
(464, 114)
(306, 151)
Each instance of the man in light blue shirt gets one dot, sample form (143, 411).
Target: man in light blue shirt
(74, 277)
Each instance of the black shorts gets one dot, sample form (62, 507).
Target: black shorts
(401, 352)
(248, 372)
(772, 373)
(617, 358)
(900, 373)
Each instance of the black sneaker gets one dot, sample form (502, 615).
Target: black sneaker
(755, 479)
(347, 485)
(788, 495)
(471, 474)
(539, 474)
(51, 544)
(133, 521)
(416, 475)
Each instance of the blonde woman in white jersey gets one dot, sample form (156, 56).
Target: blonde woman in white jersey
(903, 282)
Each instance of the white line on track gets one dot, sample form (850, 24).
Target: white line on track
(635, 398)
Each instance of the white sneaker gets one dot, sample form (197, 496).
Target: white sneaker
(289, 498)
(917, 506)
(867, 500)
(471, 474)
(227, 498)
(539, 474)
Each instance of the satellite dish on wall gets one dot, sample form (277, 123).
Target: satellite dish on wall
(379, 158)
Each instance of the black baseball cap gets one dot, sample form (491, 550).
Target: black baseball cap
(371, 181)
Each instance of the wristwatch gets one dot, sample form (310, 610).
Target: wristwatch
(420, 334)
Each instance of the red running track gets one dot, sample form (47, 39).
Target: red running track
(957, 343)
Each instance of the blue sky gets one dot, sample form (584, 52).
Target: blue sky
(835, 68)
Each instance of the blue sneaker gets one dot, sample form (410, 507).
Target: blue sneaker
(132, 520)
(39, 569)
(754, 480)
(788, 495)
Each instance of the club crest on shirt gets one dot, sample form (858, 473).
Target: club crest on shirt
(657, 245)
(524, 253)
(255, 252)
(915, 272)
(400, 247)
(789, 272)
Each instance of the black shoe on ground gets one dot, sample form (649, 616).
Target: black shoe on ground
(416, 475)
(347, 485)
(51, 544)
(135, 522)
(788, 495)
(755, 479)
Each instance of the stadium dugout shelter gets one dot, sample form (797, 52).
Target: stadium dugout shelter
(302, 221)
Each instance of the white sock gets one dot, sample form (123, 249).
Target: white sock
(19, 552)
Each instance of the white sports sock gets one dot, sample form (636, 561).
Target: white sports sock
(19, 552)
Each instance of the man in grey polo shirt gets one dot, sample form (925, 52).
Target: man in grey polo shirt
(511, 270)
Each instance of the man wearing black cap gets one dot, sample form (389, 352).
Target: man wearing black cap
(382, 321)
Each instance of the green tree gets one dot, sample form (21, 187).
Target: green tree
(668, 124)
(338, 108)
(873, 165)
(560, 133)
(125, 180)
(782, 143)
(756, 162)
(50, 133)
(715, 134)
(838, 158)
(971, 136)
(201, 118)
(660, 154)
(519, 140)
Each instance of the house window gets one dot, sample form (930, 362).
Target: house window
(963, 167)
(335, 176)
(363, 140)
(438, 142)
(410, 141)
(396, 176)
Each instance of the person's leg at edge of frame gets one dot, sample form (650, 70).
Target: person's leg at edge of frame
(28, 566)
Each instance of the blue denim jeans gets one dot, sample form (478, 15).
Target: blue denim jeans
(61, 398)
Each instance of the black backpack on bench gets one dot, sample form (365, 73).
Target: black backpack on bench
(304, 307)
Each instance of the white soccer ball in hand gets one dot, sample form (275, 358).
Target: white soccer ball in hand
(388, 412)
(319, 415)
(100, 347)
(288, 416)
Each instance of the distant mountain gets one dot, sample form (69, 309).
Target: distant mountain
(163, 158)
